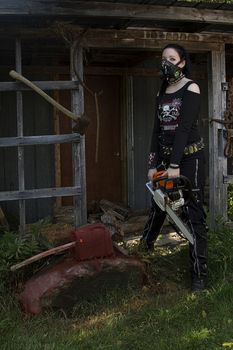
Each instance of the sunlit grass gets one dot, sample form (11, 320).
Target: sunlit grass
(163, 315)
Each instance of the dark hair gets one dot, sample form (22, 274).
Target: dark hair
(183, 56)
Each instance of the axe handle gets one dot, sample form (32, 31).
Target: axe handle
(39, 256)
(49, 99)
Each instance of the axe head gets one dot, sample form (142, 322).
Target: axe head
(81, 125)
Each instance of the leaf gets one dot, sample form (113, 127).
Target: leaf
(203, 313)
(227, 344)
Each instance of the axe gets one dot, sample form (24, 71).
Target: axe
(81, 122)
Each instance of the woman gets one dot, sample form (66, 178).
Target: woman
(177, 147)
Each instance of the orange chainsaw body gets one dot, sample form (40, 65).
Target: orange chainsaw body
(164, 182)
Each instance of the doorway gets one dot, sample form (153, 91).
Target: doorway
(104, 174)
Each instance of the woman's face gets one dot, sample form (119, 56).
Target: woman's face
(172, 56)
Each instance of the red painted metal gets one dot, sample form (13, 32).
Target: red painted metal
(92, 241)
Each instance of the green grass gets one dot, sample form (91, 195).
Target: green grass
(163, 315)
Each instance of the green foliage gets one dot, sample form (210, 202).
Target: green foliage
(220, 253)
(172, 319)
(162, 316)
(14, 248)
(230, 201)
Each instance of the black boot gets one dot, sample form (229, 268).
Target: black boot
(152, 227)
(199, 284)
(145, 246)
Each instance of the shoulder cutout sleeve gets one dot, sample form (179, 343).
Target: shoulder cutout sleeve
(189, 115)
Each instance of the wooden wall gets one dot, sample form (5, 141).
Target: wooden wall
(39, 160)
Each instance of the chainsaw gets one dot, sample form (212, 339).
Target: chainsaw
(168, 194)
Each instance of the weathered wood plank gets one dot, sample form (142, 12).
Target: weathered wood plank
(144, 72)
(126, 37)
(20, 151)
(38, 140)
(146, 39)
(90, 70)
(57, 148)
(44, 85)
(48, 98)
(114, 209)
(114, 10)
(40, 193)
(217, 161)
(141, 38)
(78, 150)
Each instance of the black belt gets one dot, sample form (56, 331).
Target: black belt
(189, 149)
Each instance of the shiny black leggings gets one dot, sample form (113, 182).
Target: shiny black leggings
(193, 213)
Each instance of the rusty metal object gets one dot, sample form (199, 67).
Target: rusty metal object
(89, 242)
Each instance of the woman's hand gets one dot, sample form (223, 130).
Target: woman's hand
(173, 172)
(151, 174)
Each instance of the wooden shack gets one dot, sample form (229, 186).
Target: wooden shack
(100, 58)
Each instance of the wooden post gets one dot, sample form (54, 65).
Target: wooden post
(217, 161)
(57, 149)
(130, 141)
(78, 149)
(19, 102)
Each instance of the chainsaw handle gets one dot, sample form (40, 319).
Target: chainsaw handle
(159, 176)
(187, 186)
(177, 183)
(186, 182)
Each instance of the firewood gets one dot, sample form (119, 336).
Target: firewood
(111, 222)
(116, 210)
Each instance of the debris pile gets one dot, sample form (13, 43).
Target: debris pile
(122, 222)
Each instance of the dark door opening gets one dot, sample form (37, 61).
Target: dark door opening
(104, 177)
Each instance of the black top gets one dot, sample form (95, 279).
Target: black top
(175, 124)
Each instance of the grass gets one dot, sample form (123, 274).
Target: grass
(161, 316)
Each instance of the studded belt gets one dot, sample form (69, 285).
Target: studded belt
(189, 149)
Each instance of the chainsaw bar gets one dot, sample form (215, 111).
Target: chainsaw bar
(161, 199)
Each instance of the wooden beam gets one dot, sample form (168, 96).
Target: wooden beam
(144, 72)
(37, 69)
(38, 140)
(118, 37)
(44, 85)
(217, 161)
(148, 39)
(78, 150)
(40, 193)
(57, 148)
(20, 149)
(101, 9)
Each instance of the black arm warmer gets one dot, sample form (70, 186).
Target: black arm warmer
(188, 119)
(154, 147)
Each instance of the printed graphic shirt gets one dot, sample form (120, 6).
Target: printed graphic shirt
(169, 113)
(175, 124)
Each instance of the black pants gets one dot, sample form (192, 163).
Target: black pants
(193, 168)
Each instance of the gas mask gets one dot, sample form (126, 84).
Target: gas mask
(171, 72)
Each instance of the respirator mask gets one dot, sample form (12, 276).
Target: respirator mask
(171, 72)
